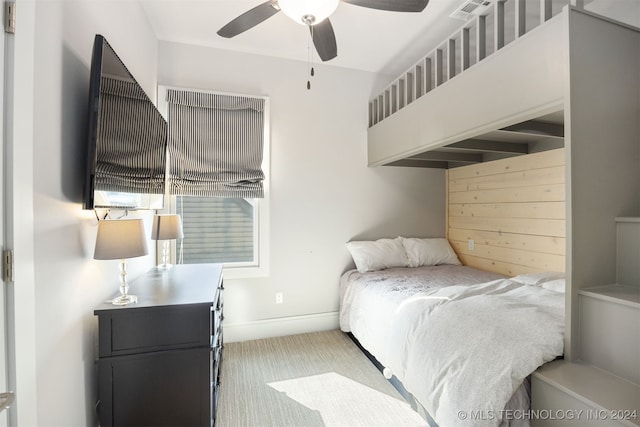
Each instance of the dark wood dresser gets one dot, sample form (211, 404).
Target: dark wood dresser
(159, 359)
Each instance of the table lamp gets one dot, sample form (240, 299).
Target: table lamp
(121, 239)
(166, 227)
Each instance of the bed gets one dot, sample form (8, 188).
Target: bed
(461, 341)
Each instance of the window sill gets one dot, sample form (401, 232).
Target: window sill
(244, 272)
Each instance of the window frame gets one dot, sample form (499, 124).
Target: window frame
(236, 270)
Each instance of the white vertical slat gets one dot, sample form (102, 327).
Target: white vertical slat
(428, 75)
(481, 38)
(578, 3)
(380, 108)
(465, 54)
(419, 72)
(546, 10)
(521, 18)
(387, 104)
(375, 110)
(410, 79)
(498, 31)
(439, 67)
(402, 94)
(451, 54)
(394, 98)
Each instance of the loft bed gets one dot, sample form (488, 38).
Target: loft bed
(565, 92)
(571, 82)
(513, 95)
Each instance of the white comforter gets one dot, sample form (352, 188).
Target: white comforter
(461, 350)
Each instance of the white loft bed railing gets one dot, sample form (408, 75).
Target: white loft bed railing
(501, 23)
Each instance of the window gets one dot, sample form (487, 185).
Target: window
(229, 230)
(217, 230)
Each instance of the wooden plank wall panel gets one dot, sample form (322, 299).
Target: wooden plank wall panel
(513, 209)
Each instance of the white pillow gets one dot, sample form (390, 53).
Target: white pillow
(434, 251)
(554, 285)
(537, 279)
(378, 255)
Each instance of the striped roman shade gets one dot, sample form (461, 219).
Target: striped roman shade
(132, 140)
(215, 144)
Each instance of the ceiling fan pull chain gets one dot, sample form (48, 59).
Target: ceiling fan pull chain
(310, 57)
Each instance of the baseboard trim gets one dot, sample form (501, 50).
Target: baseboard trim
(245, 331)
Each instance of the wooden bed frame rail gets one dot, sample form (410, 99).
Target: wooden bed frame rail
(396, 383)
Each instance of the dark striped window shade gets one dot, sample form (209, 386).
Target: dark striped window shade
(217, 230)
(215, 144)
(130, 154)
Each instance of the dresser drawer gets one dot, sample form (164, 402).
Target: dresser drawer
(131, 331)
(156, 389)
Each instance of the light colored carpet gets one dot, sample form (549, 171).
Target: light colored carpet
(308, 380)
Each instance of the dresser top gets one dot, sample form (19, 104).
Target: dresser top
(182, 284)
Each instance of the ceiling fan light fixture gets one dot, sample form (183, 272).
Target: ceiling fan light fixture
(308, 12)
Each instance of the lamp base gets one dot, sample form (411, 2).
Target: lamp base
(124, 300)
(163, 267)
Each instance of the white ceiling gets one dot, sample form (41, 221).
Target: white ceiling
(367, 39)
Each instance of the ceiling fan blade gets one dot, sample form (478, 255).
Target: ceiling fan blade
(324, 40)
(249, 19)
(391, 5)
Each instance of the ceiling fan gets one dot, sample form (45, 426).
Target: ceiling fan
(314, 14)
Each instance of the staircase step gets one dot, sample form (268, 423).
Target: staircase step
(628, 250)
(610, 329)
(616, 293)
(571, 387)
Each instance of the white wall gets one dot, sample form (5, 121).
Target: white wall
(322, 192)
(69, 283)
(627, 11)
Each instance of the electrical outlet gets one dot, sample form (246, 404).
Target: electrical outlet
(472, 244)
(279, 297)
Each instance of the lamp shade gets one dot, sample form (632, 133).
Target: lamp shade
(308, 12)
(120, 239)
(166, 227)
